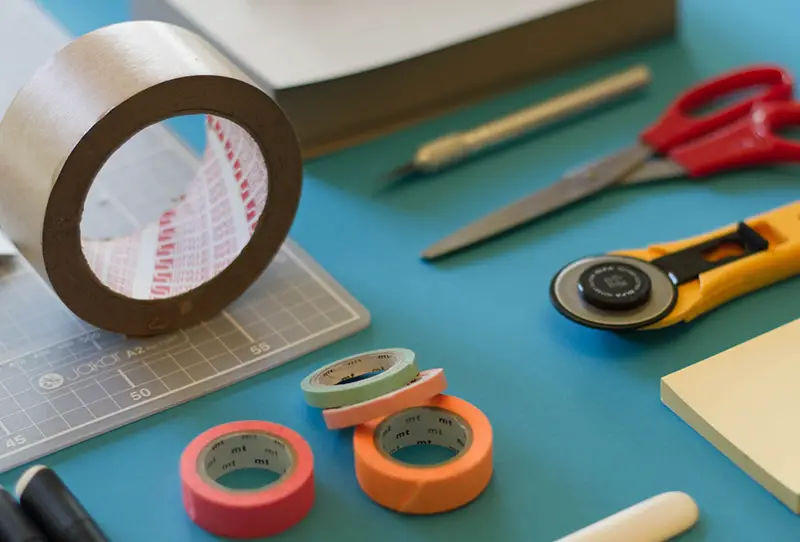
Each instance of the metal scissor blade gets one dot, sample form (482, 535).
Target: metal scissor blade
(652, 170)
(655, 170)
(569, 189)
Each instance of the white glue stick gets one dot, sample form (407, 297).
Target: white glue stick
(657, 519)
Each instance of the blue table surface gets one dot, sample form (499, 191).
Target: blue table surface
(579, 428)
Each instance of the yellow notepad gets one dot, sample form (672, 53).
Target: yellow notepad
(746, 402)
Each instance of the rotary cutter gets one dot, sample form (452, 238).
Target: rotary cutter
(668, 283)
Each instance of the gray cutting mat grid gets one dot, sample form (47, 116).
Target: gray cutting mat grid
(62, 381)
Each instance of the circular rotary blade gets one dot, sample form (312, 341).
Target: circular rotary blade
(613, 292)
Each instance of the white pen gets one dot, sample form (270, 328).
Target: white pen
(656, 519)
(455, 147)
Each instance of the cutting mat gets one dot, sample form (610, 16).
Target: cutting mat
(63, 381)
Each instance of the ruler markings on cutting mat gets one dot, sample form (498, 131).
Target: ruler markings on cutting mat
(63, 381)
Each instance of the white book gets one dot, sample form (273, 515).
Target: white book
(348, 70)
(295, 43)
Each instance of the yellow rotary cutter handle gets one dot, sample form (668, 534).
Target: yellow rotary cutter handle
(668, 283)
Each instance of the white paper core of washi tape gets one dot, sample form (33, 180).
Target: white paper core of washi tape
(350, 368)
(198, 238)
(244, 450)
(423, 425)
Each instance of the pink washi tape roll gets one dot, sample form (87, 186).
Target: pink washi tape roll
(428, 384)
(247, 513)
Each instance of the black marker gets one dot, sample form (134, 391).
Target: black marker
(50, 503)
(15, 526)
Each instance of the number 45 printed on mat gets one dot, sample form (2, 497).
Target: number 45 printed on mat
(16, 440)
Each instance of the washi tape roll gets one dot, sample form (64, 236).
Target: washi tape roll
(428, 384)
(383, 371)
(89, 99)
(443, 420)
(247, 513)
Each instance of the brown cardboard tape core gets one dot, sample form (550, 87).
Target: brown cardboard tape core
(205, 231)
(78, 109)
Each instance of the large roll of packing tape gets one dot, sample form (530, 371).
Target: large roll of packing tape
(247, 513)
(89, 99)
(443, 420)
(360, 378)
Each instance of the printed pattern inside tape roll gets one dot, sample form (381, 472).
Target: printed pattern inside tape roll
(202, 235)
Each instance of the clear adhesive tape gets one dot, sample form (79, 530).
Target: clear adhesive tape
(378, 372)
(429, 383)
(247, 513)
(186, 266)
(443, 420)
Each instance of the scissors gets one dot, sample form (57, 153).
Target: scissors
(740, 134)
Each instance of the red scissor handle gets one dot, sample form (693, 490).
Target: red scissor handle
(677, 126)
(747, 142)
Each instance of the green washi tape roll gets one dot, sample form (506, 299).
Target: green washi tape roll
(324, 389)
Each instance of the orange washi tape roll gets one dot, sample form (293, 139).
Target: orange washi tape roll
(247, 513)
(443, 420)
(428, 384)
